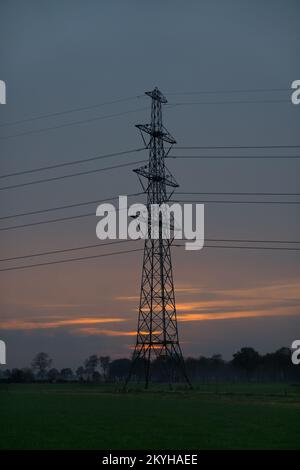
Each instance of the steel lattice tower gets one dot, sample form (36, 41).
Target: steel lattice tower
(157, 332)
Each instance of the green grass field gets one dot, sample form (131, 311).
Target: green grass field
(81, 416)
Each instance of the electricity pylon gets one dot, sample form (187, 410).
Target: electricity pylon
(157, 331)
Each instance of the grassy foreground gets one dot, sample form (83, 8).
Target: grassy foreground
(81, 416)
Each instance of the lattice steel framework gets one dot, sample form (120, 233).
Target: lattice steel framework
(157, 331)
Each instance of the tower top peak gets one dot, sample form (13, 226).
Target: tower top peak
(156, 94)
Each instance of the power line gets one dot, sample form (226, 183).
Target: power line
(236, 202)
(247, 90)
(50, 221)
(233, 247)
(72, 175)
(73, 162)
(98, 245)
(239, 194)
(83, 121)
(171, 105)
(121, 100)
(139, 250)
(242, 157)
(96, 201)
(89, 214)
(42, 222)
(102, 255)
(68, 111)
(243, 240)
(65, 250)
(125, 152)
(192, 103)
(207, 147)
(61, 219)
(67, 206)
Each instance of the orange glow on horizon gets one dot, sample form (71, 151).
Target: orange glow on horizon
(188, 317)
(206, 304)
(96, 331)
(37, 324)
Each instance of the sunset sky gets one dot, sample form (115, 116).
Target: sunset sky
(69, 54)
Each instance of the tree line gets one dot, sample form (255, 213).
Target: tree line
(246, 365)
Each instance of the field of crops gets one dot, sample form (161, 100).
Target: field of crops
(81, 416)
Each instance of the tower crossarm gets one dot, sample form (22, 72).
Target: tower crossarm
(162, 134)
(168, 181)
